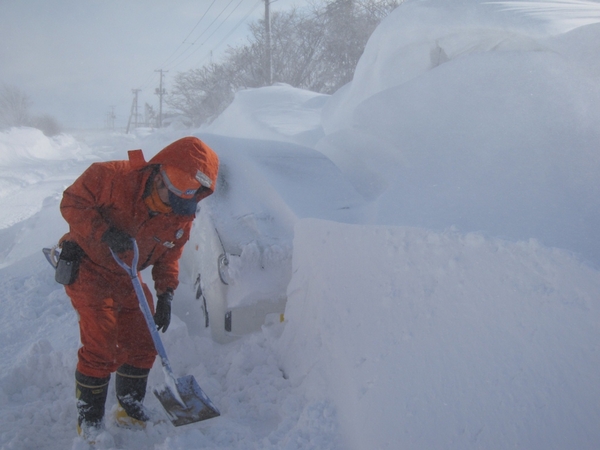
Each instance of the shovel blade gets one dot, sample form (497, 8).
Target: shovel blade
(197, 404)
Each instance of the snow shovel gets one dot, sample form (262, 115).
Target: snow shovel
(183, 399)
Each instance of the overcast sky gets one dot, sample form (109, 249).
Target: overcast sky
(77, 58)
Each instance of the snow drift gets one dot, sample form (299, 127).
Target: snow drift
(438, 316)
(466, 115)
(429, 340)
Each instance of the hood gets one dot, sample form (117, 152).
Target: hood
(193, 156)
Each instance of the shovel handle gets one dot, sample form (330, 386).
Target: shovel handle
(137, 286)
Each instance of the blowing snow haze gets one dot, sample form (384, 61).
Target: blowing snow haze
(437, 219)
(75, 60)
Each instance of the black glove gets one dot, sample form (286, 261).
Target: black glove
(117, 240)
(162, 317)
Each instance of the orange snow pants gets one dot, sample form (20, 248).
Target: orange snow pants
(112, 327)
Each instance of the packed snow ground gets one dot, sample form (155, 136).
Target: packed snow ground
(450, 301)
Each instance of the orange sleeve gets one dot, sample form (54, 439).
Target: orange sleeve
(81, 207)
(165, 271)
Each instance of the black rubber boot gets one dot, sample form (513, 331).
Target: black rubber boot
(131, 389)
(91, 397)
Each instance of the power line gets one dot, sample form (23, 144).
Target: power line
(231, 32)
(182, 57)
(177, 63)
(189, 34)
(201, 34)
(151, 80)
(226, 37)
(217, 18)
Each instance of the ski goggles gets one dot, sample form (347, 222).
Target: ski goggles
(183, 190)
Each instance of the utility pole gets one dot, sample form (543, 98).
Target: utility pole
(160, 92)
(269, 62)
(134, 110)
(149, 116)
(110, 118)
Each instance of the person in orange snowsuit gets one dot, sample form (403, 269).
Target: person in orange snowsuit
(154, 202)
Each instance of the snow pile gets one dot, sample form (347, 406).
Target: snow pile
(476, 121)
(37, 358)
(279, 112)
(464, 124)
(20, 146)
(34, 170)
(428, 340)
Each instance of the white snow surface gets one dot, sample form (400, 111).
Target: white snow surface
(437, 219)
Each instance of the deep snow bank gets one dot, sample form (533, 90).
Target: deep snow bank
(466, 115)
(428, 340)
(29, 146)
(34, 170)
(32, 164)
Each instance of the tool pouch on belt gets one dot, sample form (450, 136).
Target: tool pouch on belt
(69, 260)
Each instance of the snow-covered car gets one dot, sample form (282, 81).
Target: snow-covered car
(240, 249)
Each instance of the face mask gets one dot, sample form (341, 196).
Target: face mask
(182, 206)
(154, 203)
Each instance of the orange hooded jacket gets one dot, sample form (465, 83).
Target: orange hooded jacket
(111, 194)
